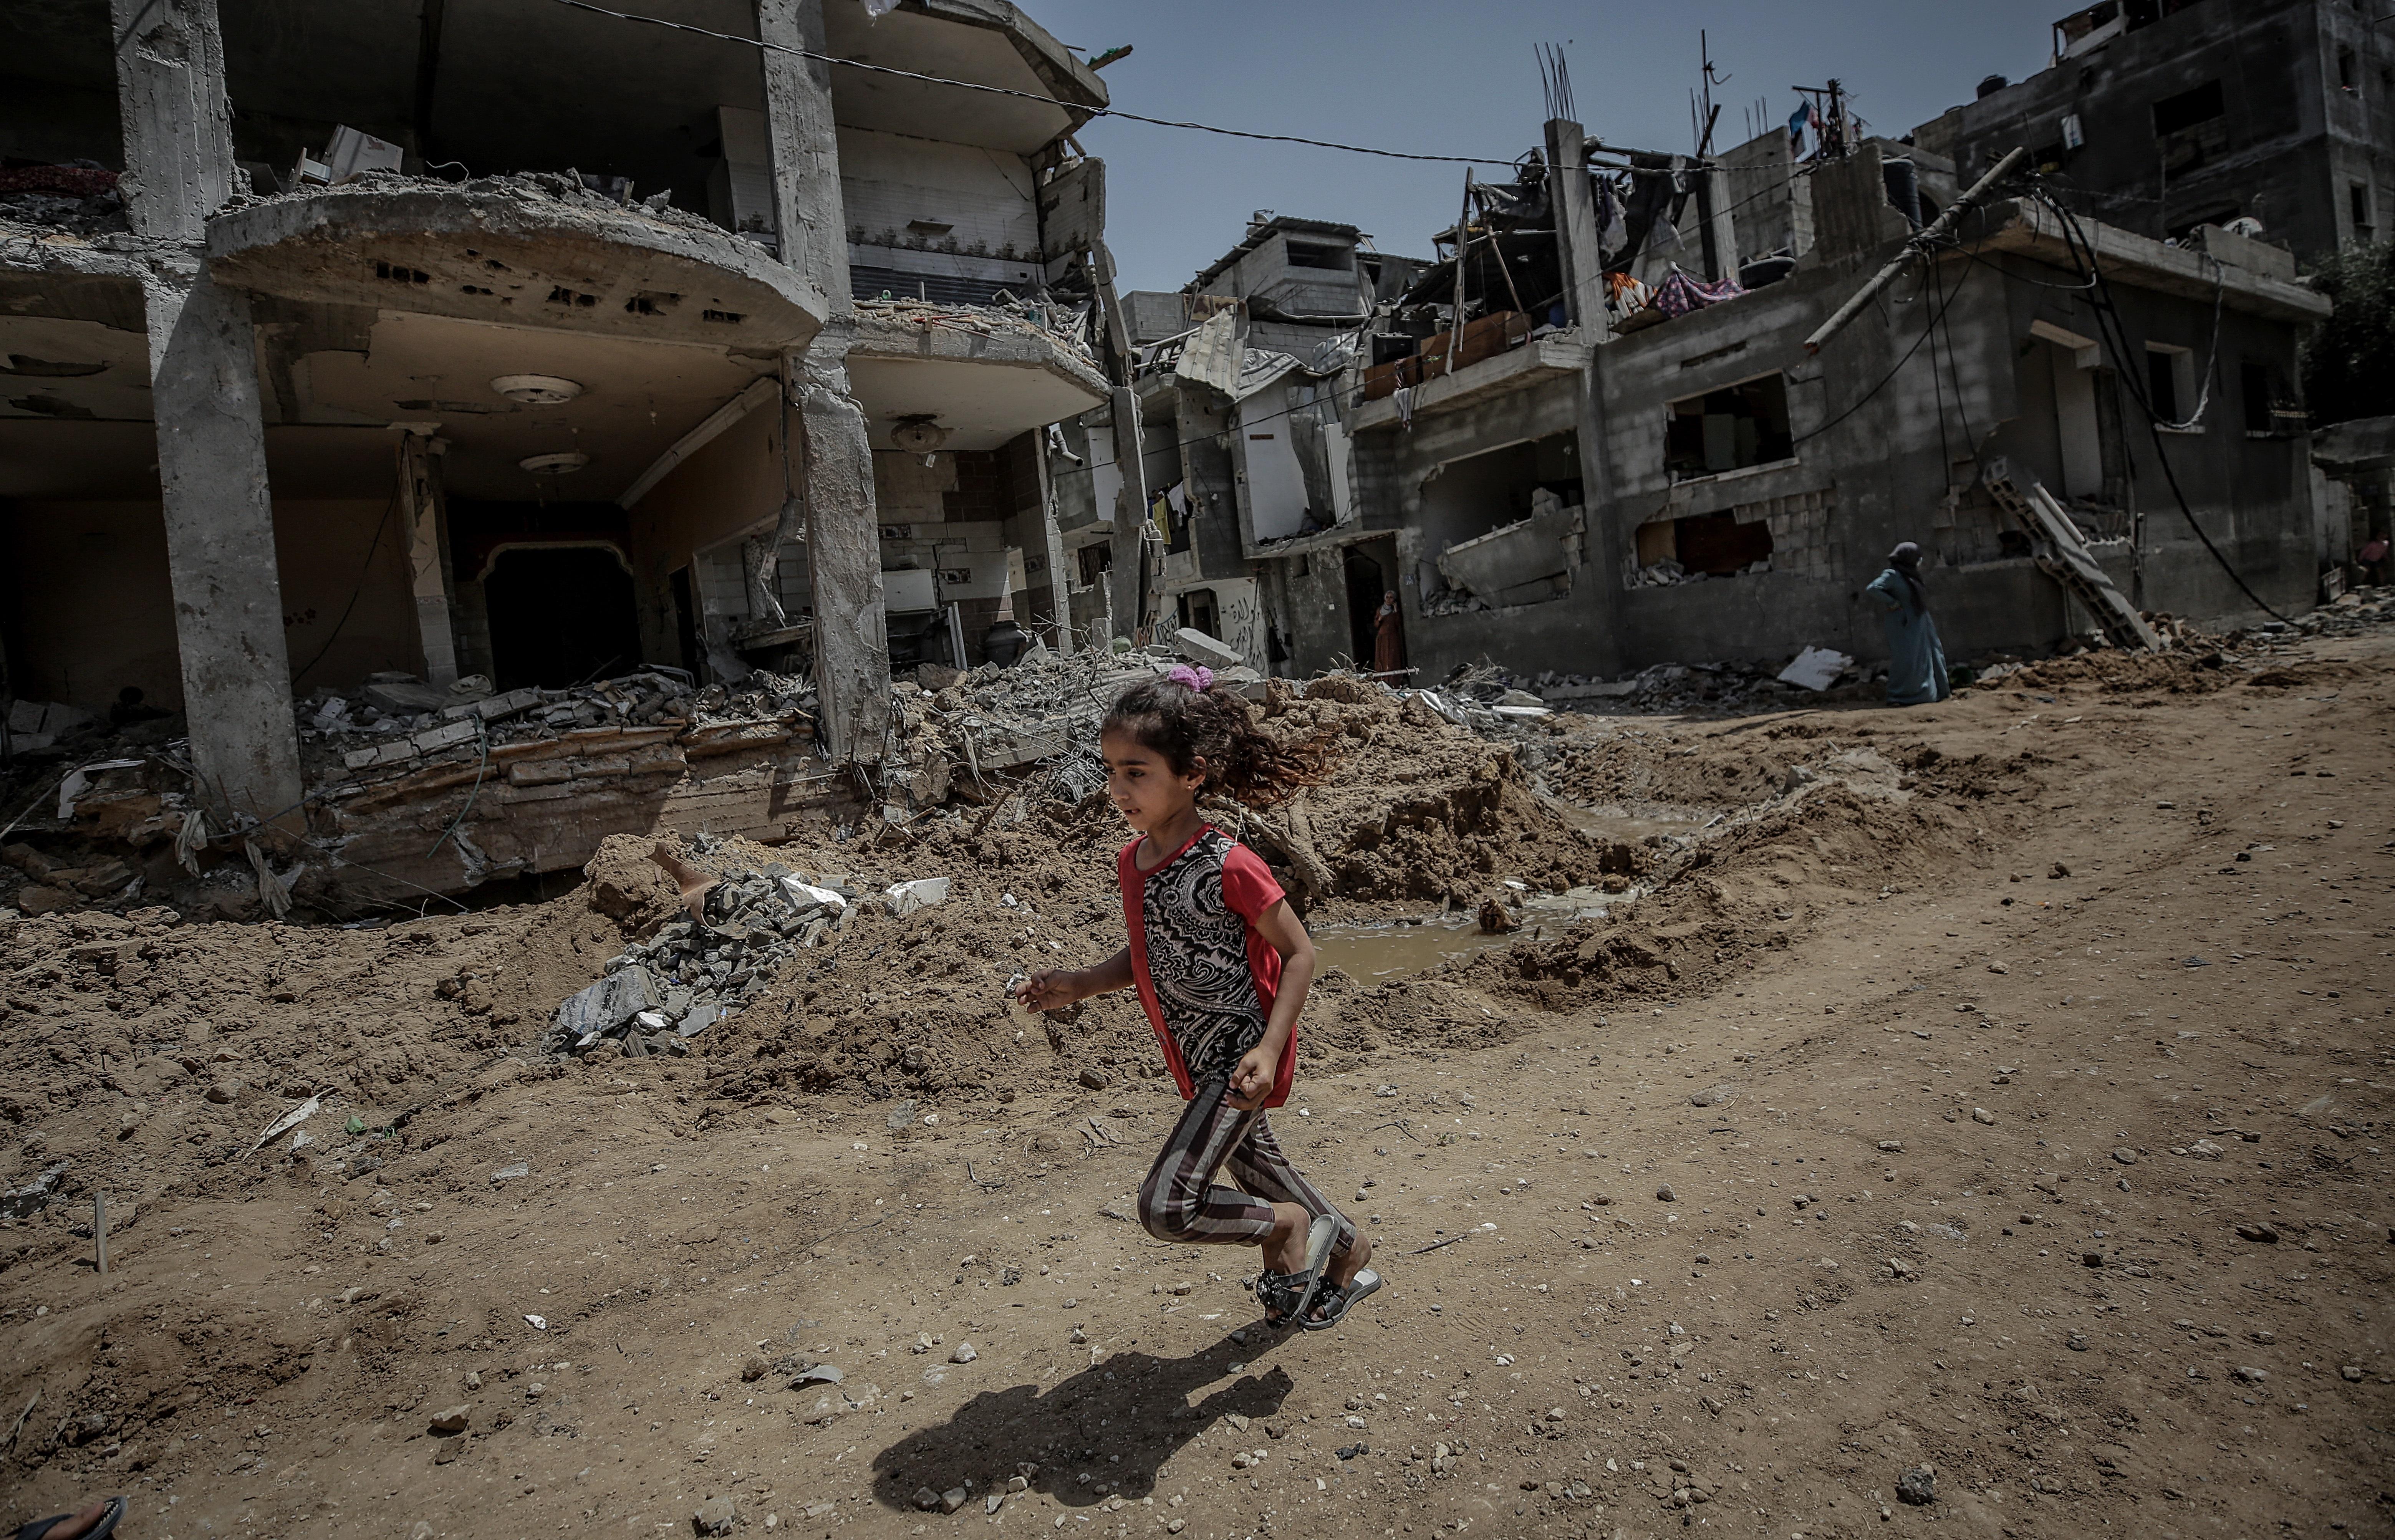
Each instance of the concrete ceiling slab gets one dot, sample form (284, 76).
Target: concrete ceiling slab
(985, 43)
(982, 406)
(63, 370)
(637, 398)
(516, 258)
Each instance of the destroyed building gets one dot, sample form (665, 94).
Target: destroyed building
(395, 371)
(2162, 116)
(1242, 439)
(1590, 435)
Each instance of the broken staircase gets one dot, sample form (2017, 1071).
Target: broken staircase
(2062, 554)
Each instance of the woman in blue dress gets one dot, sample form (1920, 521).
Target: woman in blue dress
(1916, 664)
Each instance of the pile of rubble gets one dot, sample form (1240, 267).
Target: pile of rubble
(961, 727)
(742, 927)
(396, 718)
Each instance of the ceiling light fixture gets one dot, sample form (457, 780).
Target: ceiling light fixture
(537, 390)
(554, 465)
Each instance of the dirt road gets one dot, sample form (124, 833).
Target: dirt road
(2002, 1098)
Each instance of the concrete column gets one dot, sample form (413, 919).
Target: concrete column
(421, 504)
(219, 520)
(811, 221)
(1598, 584)
(844, 553)
(1128, 542)
(1721, 228)
(836, 469)
(1052, 547)
(1575, 206)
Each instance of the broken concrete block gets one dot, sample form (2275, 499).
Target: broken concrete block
(358, 758)
(806, 896)
(609, 1004)
(1199, 648)
(700, 1018)
(1522, 714)
(1815, 668)
(1518, 555)
(539, 772)
(406, 698)
(433, 739)
(496, 707)
(904, 898)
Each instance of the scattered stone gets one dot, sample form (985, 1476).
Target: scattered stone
(1348, 1451)
(752, 1368)
(2091, 1259)
(451, 1419)
(714, 1516)
(2126, 1156)
(1981, 1115)
(1664, 1194)
(926, 1499)
(953, 1499)
(1094, 1078)
(2352, 1372)
(1891, 1146)
(2252, 1375)
(2266, 1234)
(964, 1353)
(2078, 1343)
(1918, 1486)
(510, 1172)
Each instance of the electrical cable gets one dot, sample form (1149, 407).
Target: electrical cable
(1100, 112)
(1897, 368)
(364, 568)
(2115, 332)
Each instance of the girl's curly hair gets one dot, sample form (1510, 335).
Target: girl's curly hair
(1210, 725)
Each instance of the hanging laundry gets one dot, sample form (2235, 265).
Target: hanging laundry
(1678, 294)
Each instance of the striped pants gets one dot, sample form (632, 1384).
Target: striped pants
(1180, 1200)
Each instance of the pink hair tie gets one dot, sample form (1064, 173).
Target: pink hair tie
(1196, 679)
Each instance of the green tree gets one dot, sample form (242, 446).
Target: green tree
(2349, 363)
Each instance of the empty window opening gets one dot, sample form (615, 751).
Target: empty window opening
(2177, 114)
(1306, 254)
(2271, 408)
(1710, 545)
(2357, 200)
(2348, 70)
(1728, 430)
(2170, 381)
(1199, 612)
(1470, 497)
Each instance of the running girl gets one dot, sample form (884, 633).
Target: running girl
(1221, 965)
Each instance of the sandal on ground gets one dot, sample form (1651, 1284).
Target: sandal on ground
(1332, 1301)
(94, 1523)
(1285, 1296)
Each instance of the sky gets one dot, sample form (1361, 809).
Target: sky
(1456, 78)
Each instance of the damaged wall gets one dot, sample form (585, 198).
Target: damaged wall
(92, 612)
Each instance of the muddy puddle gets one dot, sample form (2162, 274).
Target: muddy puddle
(1380, 951)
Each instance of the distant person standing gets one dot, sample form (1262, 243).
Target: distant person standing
(1389, 636)
(1916, 663)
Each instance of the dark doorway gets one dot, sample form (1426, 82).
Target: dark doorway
(1365, 587)
(559, 616)
(685, 622)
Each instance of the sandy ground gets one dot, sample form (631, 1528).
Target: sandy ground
(2007, 1100)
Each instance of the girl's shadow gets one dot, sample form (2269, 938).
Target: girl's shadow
(1116, 1421)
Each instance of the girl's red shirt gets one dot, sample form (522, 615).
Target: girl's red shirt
(1206, 976)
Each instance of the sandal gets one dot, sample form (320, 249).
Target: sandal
(1285, 1296)
(1333, 1301)
(92, 1523)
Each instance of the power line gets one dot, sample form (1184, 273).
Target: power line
(1095, 111)
(2115, 334)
